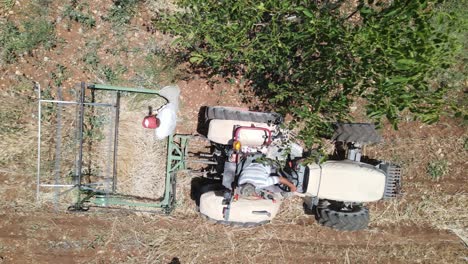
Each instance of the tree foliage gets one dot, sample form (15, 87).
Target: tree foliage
(311, 61)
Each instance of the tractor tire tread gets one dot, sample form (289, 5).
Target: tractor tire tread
(363, 133)
(345, 221)
(229, 113)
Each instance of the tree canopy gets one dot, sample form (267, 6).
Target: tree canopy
(313, 59)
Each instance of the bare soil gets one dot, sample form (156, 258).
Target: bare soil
(426, 225)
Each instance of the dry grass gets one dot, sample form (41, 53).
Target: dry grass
(441, 202)
(291, 211)
(185, 206)
(155, 239)
(17, 122)
(142, 162)
(18, 135)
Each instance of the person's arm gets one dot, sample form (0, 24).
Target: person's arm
(286, 182)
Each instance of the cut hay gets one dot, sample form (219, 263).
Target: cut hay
(141, 163)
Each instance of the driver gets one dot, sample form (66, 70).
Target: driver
(260, 176)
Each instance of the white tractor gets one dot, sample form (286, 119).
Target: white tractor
(335, 190)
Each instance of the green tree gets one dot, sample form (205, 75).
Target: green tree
(309, 60)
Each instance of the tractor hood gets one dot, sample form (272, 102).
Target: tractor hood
(347, 181)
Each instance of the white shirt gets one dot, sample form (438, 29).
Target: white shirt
(258, 175)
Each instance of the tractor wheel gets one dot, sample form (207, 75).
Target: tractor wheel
(341, 217)
(356, 132)
(230, 113)
(197, 191)
(211, 187)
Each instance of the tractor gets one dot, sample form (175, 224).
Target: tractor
(335, 191)
(242, 143)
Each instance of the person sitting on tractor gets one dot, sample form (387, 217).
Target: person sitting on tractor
(260, 176)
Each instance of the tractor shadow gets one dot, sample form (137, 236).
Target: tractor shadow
(311, 211)
(203, 124)
(201, 185)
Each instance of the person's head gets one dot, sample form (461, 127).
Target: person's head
(151, 121)
(247, 190)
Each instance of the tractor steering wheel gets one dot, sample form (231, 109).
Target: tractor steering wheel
(291, 179)
(284, 188)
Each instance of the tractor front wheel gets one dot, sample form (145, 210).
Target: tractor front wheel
(339, 216)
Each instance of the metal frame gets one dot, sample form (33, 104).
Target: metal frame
(177, 151)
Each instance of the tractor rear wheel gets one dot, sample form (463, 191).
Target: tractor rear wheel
(231, 113)
(339, 216)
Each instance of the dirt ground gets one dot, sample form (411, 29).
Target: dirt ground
(428, 224)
